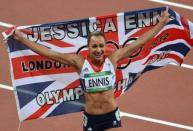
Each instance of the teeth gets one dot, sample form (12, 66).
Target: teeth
(98, 56)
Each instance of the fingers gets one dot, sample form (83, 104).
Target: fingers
(166, 12)
(17, 35)
(167, 8)
(169, 17)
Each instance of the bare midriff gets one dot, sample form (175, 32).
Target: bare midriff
(100, 102)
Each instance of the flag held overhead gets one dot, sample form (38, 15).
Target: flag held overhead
(45, 88)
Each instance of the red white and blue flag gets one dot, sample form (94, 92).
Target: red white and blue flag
(45, 88)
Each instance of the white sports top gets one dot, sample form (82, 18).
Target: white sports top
(103, 80)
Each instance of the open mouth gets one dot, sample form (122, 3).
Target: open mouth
(98, 56)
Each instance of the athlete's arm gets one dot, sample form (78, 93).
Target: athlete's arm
(127, 51)
(72, 59)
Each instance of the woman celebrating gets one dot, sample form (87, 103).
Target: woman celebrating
(97, 74)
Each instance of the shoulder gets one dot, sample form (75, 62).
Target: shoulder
(79, 61)
(113, 61)
(75, 60)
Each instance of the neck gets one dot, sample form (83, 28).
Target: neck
(96, 62)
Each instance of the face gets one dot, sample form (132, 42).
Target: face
(97, 48)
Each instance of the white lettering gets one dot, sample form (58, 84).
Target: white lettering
(68, 95)
(45, 33)
(40, 99)
(144, 20)
(49, 100)
(58, 32)
(57, 96)
(130, 22)
(34, 35)
(109, 25)
(73, 31)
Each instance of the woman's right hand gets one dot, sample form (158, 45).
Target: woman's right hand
(17, 34)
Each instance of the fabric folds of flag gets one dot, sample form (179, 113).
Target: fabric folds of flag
(45, 88)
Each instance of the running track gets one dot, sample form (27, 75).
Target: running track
(165, 94)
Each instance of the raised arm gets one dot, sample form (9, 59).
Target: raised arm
(127, 51)
(72, 59)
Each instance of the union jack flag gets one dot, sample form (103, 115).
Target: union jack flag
(45, 88)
